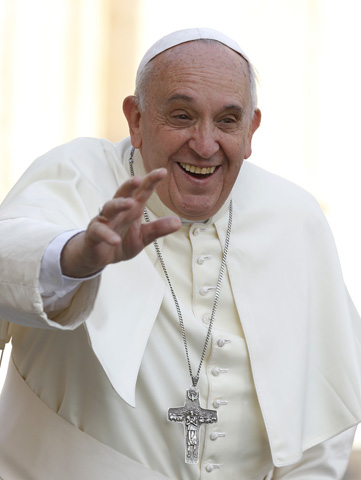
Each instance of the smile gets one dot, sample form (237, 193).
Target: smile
(197, 170)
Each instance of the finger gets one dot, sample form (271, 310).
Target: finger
(99, 231)
(160, 228)
(113, 207)
(149, 183)
(128, 188)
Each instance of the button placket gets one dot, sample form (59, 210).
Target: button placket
(205, 265)
(218, 402)
(205, 269)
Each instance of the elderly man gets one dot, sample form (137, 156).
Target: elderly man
(229, 349)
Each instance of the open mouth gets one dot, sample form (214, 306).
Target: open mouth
(197, 172)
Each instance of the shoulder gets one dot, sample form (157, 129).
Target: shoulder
(96, 160)
(267, 205)
(84, 151)
(260, 189)
(83, 165)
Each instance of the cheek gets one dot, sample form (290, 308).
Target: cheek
(235, 152)
(234, 167)
(164, 192)
(151, 151)
(159, 145)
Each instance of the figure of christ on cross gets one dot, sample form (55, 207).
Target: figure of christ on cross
(192, 415)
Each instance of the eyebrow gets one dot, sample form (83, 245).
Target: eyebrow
(179, 96)
(187, 98)
(235, 108)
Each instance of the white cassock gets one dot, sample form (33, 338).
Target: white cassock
(282, 370)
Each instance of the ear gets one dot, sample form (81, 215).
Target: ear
(132, 114)
(255, 123)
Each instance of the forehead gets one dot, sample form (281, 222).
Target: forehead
(200, 65)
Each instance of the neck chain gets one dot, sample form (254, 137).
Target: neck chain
(191, 414)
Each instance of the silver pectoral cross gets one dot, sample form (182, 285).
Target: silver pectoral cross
(192, 415)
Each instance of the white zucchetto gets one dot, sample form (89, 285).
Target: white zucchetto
(188, 35)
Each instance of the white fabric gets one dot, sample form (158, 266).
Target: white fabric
(49, 448)
(187, 35)
(284, 274)
(326, 460)
(162, 383)
(47, 437)
(56, 289)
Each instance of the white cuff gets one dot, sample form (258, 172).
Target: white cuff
(56, 289)
(51, 279)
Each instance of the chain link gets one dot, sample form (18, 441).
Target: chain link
(194, 378)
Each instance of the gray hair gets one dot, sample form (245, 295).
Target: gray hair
(144, 77)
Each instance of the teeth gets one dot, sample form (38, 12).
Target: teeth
(201, 171)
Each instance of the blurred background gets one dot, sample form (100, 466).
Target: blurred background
(66, 65)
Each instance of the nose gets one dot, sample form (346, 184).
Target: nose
(204, 141)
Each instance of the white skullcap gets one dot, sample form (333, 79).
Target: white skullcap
(187, 35)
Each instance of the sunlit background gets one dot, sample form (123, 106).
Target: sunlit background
(66, 65)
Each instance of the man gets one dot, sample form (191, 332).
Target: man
(237, 318)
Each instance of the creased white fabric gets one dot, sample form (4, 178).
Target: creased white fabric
(56, 289)
(50, 448)
(285, 277)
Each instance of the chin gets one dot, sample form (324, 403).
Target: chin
(194, 207)
(196, 214)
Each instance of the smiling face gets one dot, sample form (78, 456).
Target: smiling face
(197, 123)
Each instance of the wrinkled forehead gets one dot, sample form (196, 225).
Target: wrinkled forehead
(183, 36)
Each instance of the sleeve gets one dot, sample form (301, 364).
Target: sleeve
(56, 289)
(326, 461)
(61, 191)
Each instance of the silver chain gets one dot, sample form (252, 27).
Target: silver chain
(194, 378)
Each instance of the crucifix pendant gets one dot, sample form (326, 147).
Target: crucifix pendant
(192, 415)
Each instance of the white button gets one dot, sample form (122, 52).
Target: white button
(206, 319)
(222, 342)
(218, 403)
(212, 466)
(214, 435)
(198, 230)
(217, 371)
(204, 290)
(203, 258)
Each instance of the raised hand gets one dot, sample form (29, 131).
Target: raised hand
(118, 232)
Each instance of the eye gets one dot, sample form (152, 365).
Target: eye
(228, 120)
(229, 123)
(182, 116)
(180, 113)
